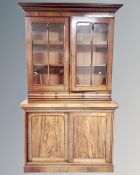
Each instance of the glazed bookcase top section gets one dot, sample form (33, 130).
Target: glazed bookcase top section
(73, 7)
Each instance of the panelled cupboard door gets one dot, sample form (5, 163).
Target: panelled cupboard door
(47, 42)
(90, 137)
(91, 52)
(47, 137)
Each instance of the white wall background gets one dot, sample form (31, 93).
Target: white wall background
(126, 87)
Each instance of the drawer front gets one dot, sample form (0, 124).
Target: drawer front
(47, 137)
(90, 137)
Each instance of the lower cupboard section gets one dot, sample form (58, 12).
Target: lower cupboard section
(57, 140)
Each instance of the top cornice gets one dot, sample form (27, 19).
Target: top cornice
(71, 7)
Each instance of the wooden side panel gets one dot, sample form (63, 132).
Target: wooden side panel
(92, 138)
(47, 137)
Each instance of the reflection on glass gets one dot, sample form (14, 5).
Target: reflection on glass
(56, 33)
(40, 75)
(83, 75)
(100, 33)
(56, 75)
(56, 54)
(39, 31)
(84, 32)
(92, 53)
(99, 77)
(84, 37)
(48, 54)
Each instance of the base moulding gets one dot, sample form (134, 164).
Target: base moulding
(69, 168)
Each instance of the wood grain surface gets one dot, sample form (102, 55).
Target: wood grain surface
(68, 124)
(90, 140)
(46, 137)
(89, 137)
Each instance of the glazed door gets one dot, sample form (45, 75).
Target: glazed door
(90, 137)
(47, 137)
(47, 53)
(91, 52)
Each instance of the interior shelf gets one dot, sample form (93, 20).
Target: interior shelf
(96, 69)
(52, 65)
(98, 65)
(45, 42)
(97, 44)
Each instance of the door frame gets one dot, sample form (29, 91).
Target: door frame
(53, 20)
(102, 20)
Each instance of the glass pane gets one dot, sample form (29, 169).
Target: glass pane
(56, 54)
(40, 75)
(83, 75)
(99, 66)
(84, 32)
(40, 55)
(48, 54)
(56, 75)
(92, 54)
(83, 64)
(100, 54)
(84, 38)
(39, 31)
(56, 33)
(99, 77)
(100, 32)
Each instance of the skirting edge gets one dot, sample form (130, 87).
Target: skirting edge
(69, 168)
